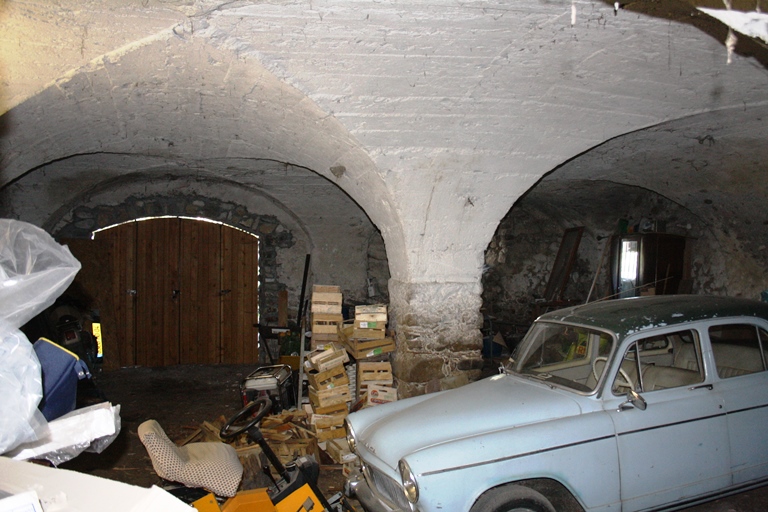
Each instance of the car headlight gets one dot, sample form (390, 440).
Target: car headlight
(350, 436)
(410, 487)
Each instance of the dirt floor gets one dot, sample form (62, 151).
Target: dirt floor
(181, 398)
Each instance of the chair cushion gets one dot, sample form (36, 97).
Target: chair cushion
(213, 466)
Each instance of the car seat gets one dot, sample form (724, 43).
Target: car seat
(211, 465)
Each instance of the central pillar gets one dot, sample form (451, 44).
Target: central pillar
(438, 335)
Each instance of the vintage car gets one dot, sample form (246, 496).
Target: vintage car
(631, 404)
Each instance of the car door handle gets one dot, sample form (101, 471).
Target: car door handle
(708, 386)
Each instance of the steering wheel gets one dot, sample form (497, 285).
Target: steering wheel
(234, 427)
(627, 381)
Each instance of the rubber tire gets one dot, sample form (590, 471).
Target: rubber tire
(512, 498)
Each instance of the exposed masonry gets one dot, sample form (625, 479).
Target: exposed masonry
(273, 236)
(435, 118)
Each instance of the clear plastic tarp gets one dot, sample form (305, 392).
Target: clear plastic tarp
(34, 271)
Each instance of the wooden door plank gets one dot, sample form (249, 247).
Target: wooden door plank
(200, 278)
(157, 284)
(90, 287)
(239, 297)
(118, 317)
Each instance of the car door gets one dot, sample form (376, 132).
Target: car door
(678, 446)
(739, 355)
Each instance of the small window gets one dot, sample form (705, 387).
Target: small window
(643, 371)
(737, 349)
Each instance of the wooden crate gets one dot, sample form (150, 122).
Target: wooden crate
(331, 378)
(372, 317)
(368, 334)
(338, 450)
(323, 421)
(288, 451)
(331, 409)
(327, 397)
(329, 426)
(322, 343)
(327, 359)
(370, 324)
(326, 300)
(373, 373)
(326, 288)
(349, 331)
(362, 349)
(371, 309)
(323, 323)
(331, 433)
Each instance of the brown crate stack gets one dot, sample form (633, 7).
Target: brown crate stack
(329, 391)
(367, 336)
(373, 373)
(326, 315)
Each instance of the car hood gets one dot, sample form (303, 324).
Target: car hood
(493, 404)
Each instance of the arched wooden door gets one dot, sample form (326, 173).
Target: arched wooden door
(182, 292)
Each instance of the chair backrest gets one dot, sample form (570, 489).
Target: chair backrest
(212, 465)
(61, 369)
(167, 459)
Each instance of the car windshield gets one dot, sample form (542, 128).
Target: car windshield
(567, 355)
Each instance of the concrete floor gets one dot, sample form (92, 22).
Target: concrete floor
(181, 398)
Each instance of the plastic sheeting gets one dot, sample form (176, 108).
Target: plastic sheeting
(34, 271)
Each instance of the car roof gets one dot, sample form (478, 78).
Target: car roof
(627, 316)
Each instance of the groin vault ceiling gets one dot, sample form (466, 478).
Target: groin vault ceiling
(431, 119)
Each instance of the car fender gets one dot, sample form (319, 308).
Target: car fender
(558, 450)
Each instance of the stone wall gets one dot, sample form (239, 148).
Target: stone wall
(438, 335)
(520, 256)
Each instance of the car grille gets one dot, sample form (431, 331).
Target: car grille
(388, 488)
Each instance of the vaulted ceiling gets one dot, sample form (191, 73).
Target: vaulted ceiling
(433, 117)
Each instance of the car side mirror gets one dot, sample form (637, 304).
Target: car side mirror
(634, 399)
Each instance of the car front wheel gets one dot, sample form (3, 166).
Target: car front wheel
(512, 498)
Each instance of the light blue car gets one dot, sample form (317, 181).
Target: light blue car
(623, 405)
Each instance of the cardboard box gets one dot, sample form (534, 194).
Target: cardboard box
(377, 395)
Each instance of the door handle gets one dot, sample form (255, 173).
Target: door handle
(708, 386)
(175, 294)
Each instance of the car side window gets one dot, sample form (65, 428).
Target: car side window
(738, 349)
(643, 369)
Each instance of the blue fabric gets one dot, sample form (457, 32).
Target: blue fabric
(61, 370)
